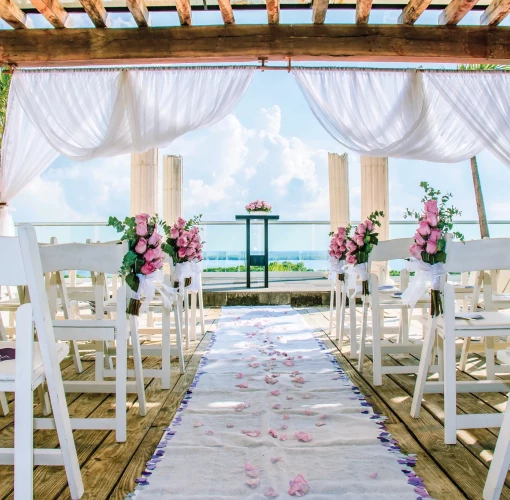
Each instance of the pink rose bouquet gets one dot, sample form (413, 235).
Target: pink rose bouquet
(258, 206)
(434, 222)
(361, 243)
(145, 253)
(338, 249)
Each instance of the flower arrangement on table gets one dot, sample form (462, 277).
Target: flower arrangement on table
(258, 206)
(338, 250)
(184, 245)
(428, 251)
(359, 246)
(144, 258)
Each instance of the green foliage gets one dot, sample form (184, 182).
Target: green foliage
(484, 67)
(5, 83)
(284, 266)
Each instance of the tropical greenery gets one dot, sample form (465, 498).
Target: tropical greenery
(5, 82)
(284, 266)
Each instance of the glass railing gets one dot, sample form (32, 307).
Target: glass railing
(293, 245)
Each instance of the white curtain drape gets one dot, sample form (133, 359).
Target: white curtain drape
(86, 114)
(482, 100)
(387, 114)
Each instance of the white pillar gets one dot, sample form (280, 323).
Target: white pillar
(375, 191)
(172, 188)
(338, 169)
(144, 182)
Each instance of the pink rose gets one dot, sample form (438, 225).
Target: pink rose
(199, 256)
(369, 225)
(141, 228)
(148, 268)
(298, 486)
(331, 253)
(416, 251)
(420, 240)
(432, 219)
(351, 246)
(341, 231)
(435, 235)
(149, 255)
(157, 263)
(141, 218)
(431, 207)
(174, 232)
(182, 241)
(141, 246)
(154, 239)
(181, 223)
(342, 248)
(190, 251)
(351, 259)
(181, 253)
(424, 228)
(157, 252)
(431, 247)
(359, 239)
(338, 254)
(361, 229)
(259, 205)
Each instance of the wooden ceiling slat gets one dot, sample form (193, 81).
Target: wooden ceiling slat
(52, 11)
(184, 10)
(320, 8)
(495, 12)
(363, 8)
(226, 11)
(96, 11)
(412, 11)
(455, 11)
(141, 15)
(13, 15)
(273, 11)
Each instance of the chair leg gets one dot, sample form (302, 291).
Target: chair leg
(75, 352)
(464, 354)
(99, 364)
(490, 366)
(44, 399)
(193, 325)
(500, 462)
(331, 302)
(165, 350)
(352, 321)
(121, 372)
(4, 406)
(178, 334)
(3, 332)
(342, 315)
(185, 325)
(201, 305)
(423, 369)
(404, 318)
(150, 323)
(450, 389)
(137, 361)
(363, 335)
(376, 346)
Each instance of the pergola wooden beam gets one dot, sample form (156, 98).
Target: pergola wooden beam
(495, 12)
(320, 7)
(455, 11)
(96, 11)
(363, 8)
(13, 15)
(412, 11)
(273, 11)
(52, 11)
(340, 42)
(138, 9)
(226, 11)
(184, 10)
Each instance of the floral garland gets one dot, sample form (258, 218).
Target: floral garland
(359, 247)
(144, 257)
(338, 250)
(258, 206)
(428, 251)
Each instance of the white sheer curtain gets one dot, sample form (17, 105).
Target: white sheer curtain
(482, 100)
(86, 114)
(387, 113)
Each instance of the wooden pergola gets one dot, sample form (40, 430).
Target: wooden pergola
(360, 41)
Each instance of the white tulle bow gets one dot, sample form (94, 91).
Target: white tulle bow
(426, 276)
(185, 270)
(335, 267)
(147, 290)
(353, 271)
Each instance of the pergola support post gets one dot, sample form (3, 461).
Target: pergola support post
(338, 171)
(144, 182)
(172, 188)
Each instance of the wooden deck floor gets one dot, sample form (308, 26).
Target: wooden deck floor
(109, 469)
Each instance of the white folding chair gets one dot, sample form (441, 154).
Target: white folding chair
(380, 299)
(101, 260)
(477, 255)
(23, 267)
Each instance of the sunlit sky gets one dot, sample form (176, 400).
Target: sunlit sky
(270, 147)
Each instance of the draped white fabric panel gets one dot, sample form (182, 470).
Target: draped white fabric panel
(483, 101)
(387, 114)
(103, 113)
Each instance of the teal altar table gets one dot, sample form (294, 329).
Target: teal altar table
(257, 260)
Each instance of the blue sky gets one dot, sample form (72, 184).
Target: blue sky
(270, 147)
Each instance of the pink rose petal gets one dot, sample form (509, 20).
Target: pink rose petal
(198, 424)
(252, 473)
(303, 436)
(298, 486)
(209, 433)
(230, 425)
(283, 437)
(288, 363)
(288, 398)
(320, 423)
(306, 396)
(273, 433)
(275, 459)
(248, 467)
(275, 393)
(251, 433)
(270, 380)
(373, 475)
(244, 385)
(308, 412)
(277, 406)
(270, 492)
(323, 416)
(253, 483)
(286, 416)
(239, 375)
(283, 427)
(298, 380)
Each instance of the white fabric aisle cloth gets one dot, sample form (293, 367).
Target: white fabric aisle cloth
(203, 458)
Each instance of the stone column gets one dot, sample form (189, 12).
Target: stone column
(338, 169)
(375, 191)
(144, 182)
(172, 188)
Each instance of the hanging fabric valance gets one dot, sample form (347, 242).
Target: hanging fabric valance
(86, 114)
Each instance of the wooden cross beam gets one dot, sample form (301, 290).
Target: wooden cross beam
(455, 11)
(322, 42)
(363, 8)
(226, 11)
(139, 11)
(52, 11)
(412, 11)
(495, 12)
(13, 15)
(320, 8)
(273, 11)
(184, 10)
(97, 13)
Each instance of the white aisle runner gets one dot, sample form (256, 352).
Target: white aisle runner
(271, 413)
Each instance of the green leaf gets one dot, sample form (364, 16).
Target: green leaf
(133, 281)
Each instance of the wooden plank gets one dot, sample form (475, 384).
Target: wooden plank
(320, 8)
(141, 15)
(54, 13)
(398, 43)
(184, 10)
(273, 11)
(13, 15)
(495, 12)
(226, 11)
(363, 8)
(412, 11)
(455, 11)
(97, 13)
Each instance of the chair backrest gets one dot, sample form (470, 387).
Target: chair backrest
(12, 271)
(477, 255)
(104, 258)
(388, 250)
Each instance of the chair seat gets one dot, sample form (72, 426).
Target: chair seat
(490, 321)
(8, 368)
